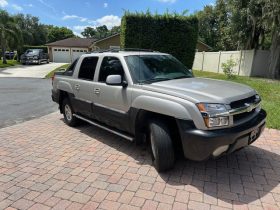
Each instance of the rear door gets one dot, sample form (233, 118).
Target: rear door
(112, 103)
(83, 86)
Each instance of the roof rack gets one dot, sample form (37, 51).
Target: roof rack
(123, 49)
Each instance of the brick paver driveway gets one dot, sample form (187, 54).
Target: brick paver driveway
(45, 164)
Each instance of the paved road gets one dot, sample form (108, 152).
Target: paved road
(46, 164)
(22, 99)
(33, 71)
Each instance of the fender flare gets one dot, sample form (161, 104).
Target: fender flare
(161, 106)
(65, 86)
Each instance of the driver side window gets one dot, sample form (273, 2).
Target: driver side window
(110, 66)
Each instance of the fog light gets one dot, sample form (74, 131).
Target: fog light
(220, 150)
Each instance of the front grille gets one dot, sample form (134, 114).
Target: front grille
(241, 103)
(237, 118)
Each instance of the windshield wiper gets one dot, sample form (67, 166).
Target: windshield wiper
(182, 77)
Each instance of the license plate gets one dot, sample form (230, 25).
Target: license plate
(254, 134)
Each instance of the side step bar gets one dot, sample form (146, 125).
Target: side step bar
(121, 134)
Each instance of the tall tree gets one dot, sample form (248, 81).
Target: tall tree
(271, 17)
(207, 23)
(115, 30)
(102, 31)
(34, 33)
(58, 33)
(9, 32)
(223, 29)
(256, 37)
(89, 32)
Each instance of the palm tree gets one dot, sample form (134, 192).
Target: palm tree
(9, 32)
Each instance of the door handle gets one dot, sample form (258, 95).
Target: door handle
(96, 90)
(77, 87)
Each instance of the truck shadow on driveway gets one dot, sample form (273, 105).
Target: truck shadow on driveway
(246, 176)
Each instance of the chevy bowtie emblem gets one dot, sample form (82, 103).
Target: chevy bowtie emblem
(249, 107)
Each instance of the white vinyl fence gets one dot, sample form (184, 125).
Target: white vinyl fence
(249, 62)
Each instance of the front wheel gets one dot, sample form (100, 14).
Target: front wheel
(68, 113)
(161, 146)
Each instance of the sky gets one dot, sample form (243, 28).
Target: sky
(77, 14)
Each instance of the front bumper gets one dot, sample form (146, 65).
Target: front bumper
(29, 61)
(199, 145)
(55, 96)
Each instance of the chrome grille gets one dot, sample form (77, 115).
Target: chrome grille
(242, 102)
(245, 109)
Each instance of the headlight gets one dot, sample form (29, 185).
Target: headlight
(213, 114)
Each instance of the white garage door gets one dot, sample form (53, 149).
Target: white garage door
(61, 55)
(77, 52)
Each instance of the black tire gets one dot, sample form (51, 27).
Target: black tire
(161, 146)
(69, 119)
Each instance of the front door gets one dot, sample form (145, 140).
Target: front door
(112, 103)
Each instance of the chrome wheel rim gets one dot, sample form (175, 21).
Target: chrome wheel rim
(68, 112)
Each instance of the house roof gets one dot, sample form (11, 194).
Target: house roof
(108, 37)
(73, 42)
(201, 42)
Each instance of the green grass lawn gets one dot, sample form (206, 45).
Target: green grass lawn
(50, 74)
(9, 63)
(269, 91)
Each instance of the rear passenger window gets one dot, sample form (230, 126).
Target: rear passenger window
(87, 68)
(110, 66)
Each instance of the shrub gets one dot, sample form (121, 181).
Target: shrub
(228, 68)
(169, 33)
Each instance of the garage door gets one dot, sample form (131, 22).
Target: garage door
(78, 52)
(61, 55)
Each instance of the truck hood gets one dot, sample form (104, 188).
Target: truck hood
(202, 90)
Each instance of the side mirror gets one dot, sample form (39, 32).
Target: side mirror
(115, 80)
(191, 71)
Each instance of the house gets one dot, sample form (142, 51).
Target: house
(67, 50)
(201, 46)
(110, 42)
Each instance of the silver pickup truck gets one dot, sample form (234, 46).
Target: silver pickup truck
(151, 97)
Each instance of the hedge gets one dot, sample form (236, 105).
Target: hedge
(169, 33)
(26, 47)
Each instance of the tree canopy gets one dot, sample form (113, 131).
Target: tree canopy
(100, 32)
(243, 25)
(55, 33)
(32, 32)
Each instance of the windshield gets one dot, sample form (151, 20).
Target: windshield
(156, 68)
(32, 52)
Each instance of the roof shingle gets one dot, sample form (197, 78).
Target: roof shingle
(73, 42)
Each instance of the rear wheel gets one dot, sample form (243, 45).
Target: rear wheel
(161, 146)
(68, 113)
